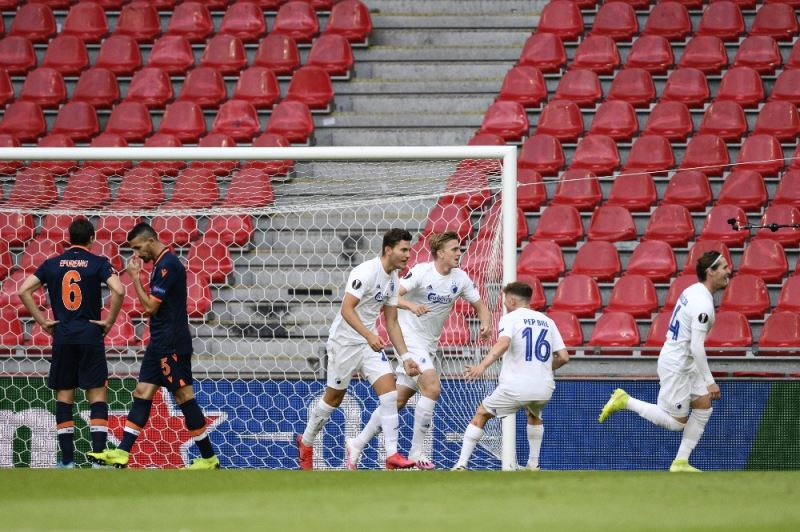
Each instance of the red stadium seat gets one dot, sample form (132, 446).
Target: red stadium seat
(731, 329)
(531, 192)
(679, 284)
(278, 53)
(716, 226)
(140, 188)
(569, 327)
(298, 21)
(507, 120)
(596, 153)
(55, 167)
(455, 331)
(175, 230)
(597, 53)
(237, 118)
(654, 260)
(17, 55)
(45, 87)
(611, 223)
(577, 294)
(230, 229)
(34, 22)
(671, 120)
(778, 21)
(688, 86)
(789, 298)
(542, 259)
(87, 189)
(183, 119)
(561, 119)
(6, 260)
(760, 53)
(633, 85)
(172, 54)
(745, 189)
(211, 257)
(192, 21)
(705, 53)
(617, 119)
(11, 330)
(150, 86)
(635, 295)
(598, 259)
(651, 153)
(579, 188)
(55, 227)
(87, 21)
(23, 120)
(613, 331)
(244, 20)
(671, 224)
(723, 20)
(162, 140)
(198, 296)
(122, 334)
(9, 167)
(114, 5)
(782, 329)
(707, 153)
(524, 85)
(490, 222)
(225, 53)
(131, 121)
(542, 153)
(562, 18)
(788, 191)
(350, 18)
(39, 250)
(793, 61)
(700, 247)
(108, 168)
(780, 119)
(449, 217)
(689, 188)
(195, 188)
(669, 20)
(634, 192)
(131, 304)
(220, 168)
(784, 215)
(742, 85)
(332, 53)
(292, 120)
(616, 20)
(16, 228)
(312, 86)
(98, 87)
(787, 87)
(652, 53)
(67, 54)
(544, 51)
(469, 185)
(581, 87)
(9, 297)
(743, 4)
(120, 54)
(657, 334)
(725, 119)
(115, 228)
(761, 153)
(766, 259)
(747, 294)
(250, 187)
(271, 140)
(538, 300)
(203, 86)
(561, 224)
(140, 21)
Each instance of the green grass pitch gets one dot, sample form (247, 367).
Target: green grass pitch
(408, 501)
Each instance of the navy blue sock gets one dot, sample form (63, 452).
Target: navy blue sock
(66, 431)
(98, 417)
(137, 419)
(196, 423)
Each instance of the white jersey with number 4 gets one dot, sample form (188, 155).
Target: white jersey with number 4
(693, 310)
(425, 286)
(374, 288)
(528, 362)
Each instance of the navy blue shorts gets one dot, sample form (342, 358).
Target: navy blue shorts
(171, 371)
(78, 366)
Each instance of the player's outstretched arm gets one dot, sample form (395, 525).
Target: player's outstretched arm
(498, 349)
(560, 358)
(117, 295)
(25, 293)
(485, 318)
(398, 341)
(698, 349)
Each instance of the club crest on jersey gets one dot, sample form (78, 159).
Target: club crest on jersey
(163, 272)
(703, 318)
(356, 284)
(454, 287)
(679, 406)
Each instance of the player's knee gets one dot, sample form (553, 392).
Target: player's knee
(184, 394)
(432, 391)
(676, 425)
(333, 397)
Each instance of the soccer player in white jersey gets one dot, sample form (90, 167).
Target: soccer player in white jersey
(427, 294)
(353, 345)
(686, 380)
(533, 348)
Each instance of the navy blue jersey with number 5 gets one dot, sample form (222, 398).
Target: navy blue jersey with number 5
(169, 327)
(74, 283)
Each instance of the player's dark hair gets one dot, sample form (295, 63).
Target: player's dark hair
(142, 229)
(704, 263)
(393, 236)
(436, 241)
(81, 231)
(519, 289)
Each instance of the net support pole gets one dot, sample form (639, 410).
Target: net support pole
(509, 231)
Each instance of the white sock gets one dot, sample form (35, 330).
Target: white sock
(317, 417)
(693, 432)
(390, 422)
(423, 414)
(654, 414)
(472, 436)
(535, 437)
(371, 429)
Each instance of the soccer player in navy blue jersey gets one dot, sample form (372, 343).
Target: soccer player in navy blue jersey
(73, 280)
(168, 358)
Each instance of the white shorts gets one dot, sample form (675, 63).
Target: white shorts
(504, 402)
(678, 390)
(424, 360)
(345, 360)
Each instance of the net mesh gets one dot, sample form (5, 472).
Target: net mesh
(268, 245)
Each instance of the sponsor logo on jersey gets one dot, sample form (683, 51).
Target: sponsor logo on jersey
(436, 298)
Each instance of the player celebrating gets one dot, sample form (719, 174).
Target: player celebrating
(353, 345)
(73, 281)
(168, 359)
(686, 380)
(427, 294)
(526, 380)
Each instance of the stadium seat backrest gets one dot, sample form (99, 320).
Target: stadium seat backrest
(652, 259)
(67, 54)
(789, 298)
(671, 224)
(140, 21)
(634, 294)
(652, 53)
(671, 120)
(725, 119)
(707, 153)
(650, 153)
(745, 189)
(596, 153)
(542, 259)
(561, 224)
(634, 192)
(542, 153)
(598, 259)
(743, 85)
(87, 21)
(525, 85)
(578, 294)
(544, 51)
(613, 330)
(597, 53)
(669, 20)
(292, 120)
(297, 20)
(351, 19)
(716, 225)
(244, 20)
(312, 86)
(761, 153)
(97, 86)
(617, 119)
(561, 119)
(746, 293)
(705, 53)
(239, 119)
(34, 22)
(150, 86)
(731, 329)
(120, 54)
(77, 120)
(17, 55)
(562, 18)
(332, 53)
(569, 327)
(45, 87)
(185, 120)
(766, 259)
(226, 53)
(759, 52)
(172, 54)
(279, 53)
(23, 120)
(783, 214)
(617, 20)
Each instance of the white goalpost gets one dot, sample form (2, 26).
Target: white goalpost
(268, 236)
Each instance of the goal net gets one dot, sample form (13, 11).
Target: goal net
(268, 236)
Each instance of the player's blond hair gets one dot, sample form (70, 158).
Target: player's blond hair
(436, 241)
